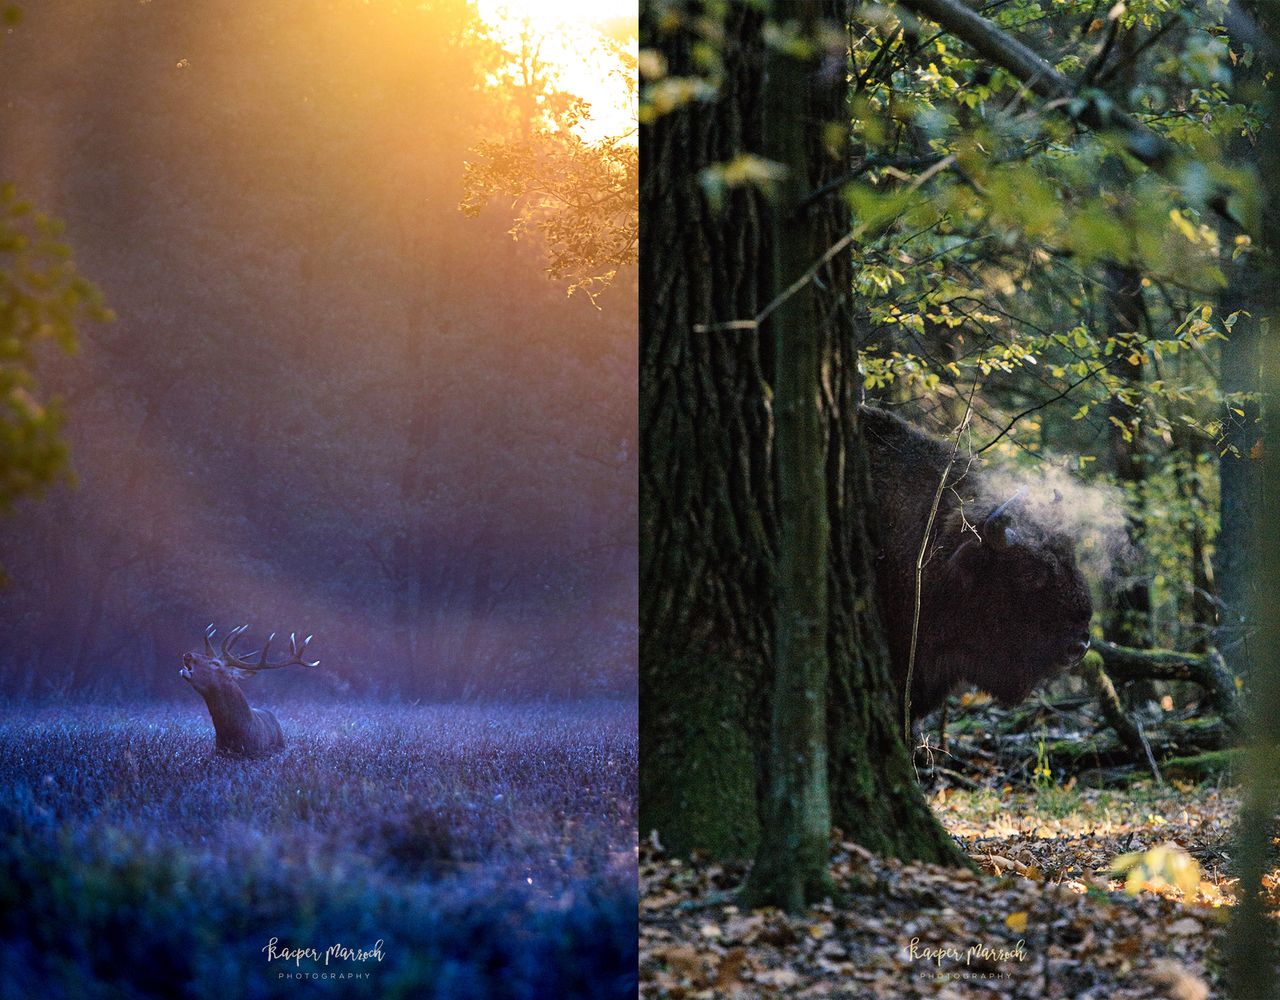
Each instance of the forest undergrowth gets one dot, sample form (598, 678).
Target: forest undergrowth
(1080, 893)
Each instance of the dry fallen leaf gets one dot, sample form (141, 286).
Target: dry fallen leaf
(1179, 982)
(1185, 926)
(781, 978)
(1157, 945)
(682, 959)
(729, 975)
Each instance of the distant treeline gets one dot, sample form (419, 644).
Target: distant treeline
(330, 402)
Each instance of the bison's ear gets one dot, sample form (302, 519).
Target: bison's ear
(998, 534)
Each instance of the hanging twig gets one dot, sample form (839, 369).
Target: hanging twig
(920, 561)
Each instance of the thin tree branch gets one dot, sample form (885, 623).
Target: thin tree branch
(1040, 406)
(920, 561)
(840, 245)
(1042, 79)
(1109, 74)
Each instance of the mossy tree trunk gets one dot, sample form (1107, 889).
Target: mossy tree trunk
(791, 861)
(1239, 468)
(1129, 622)
(1251, 946)
(706, 506)
(726, 594)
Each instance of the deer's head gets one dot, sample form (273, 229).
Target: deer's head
(210, 670)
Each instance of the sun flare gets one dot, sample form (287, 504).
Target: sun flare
(576, 38)
(559, 11)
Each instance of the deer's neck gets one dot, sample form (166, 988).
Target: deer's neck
(229, 709)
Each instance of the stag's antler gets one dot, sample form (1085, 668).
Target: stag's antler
(243, 666)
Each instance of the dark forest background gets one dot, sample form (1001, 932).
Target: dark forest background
(329, 400)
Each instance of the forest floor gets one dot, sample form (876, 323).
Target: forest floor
(470, 851)
(1084, 893)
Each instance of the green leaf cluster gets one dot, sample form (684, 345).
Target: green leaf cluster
(43, 300)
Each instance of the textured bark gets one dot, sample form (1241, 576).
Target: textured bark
(706, 508)
(1239, 470)
(1251, 947)
(791, 862)
(709, 506)
(1129, 622)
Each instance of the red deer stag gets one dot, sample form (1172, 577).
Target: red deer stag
(240, 731)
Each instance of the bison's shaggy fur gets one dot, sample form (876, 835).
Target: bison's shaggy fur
(1003, 602)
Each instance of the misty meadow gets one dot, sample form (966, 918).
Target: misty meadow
(483, 851)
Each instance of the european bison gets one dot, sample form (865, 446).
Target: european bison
(1003, 603)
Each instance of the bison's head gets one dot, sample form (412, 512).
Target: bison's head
(1024, 605)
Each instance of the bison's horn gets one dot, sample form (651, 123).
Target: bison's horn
(996, 514)
(994, 530)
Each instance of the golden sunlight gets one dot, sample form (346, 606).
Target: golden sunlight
(579, 39)
(558, 11)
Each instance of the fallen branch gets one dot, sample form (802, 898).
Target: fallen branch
(1104, 750)
(1124, 665)
(1112, 710)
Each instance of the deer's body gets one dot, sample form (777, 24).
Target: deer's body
(239, 729)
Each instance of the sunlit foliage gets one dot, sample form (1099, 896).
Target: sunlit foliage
(577, 196)
(42, 299)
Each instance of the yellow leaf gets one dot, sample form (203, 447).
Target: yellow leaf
(653, 64)
(1017, 922)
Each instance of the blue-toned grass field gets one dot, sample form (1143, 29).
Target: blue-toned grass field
(491, 850)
